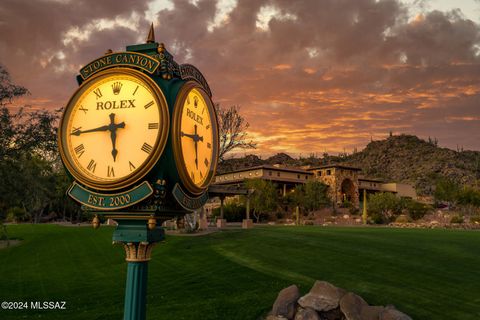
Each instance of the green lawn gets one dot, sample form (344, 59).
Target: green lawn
(236, 274)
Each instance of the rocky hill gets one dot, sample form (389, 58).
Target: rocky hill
(402, 158)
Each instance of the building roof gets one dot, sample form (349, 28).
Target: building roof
(362, 178)
(334, 165)
(268, 167)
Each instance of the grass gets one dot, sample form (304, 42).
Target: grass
(236, 274)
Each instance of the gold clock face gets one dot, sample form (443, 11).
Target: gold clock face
(195, 137)
(114, 129)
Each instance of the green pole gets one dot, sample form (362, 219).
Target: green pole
(138, 238)
(136, 291)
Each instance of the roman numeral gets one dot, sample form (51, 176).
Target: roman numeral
(209, 145)
(110, 172)
(208, 127)
(76, 130)
(92, 165)
(192, 174)
(148, 105)
(83, 109)
(98, 93)
(153, 125)
(147, 148)
(131, 166)
(135, 91)
(79, 150)
(206, 162)
(201, 175)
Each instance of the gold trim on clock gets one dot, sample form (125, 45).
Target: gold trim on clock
(153, 150)
(183, 160)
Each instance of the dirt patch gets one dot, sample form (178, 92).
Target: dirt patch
(12, 243)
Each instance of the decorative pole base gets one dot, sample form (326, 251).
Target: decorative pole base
(138, 238)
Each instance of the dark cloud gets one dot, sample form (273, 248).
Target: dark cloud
(323, 76)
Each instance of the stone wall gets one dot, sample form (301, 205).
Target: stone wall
(335, 179)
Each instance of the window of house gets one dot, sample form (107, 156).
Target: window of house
(306, 177)
(269, 173)
(329, 172)
(278, 174)
(319, 173)
(298, 176)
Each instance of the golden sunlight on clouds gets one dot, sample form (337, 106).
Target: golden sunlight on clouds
(309, 76)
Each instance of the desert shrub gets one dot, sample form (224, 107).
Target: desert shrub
(456, 219)
(416, 210)
(402, 219)
(383, 207)
(469, 197)
(475, 219)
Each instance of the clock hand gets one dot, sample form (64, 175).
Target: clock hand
(79, 132)
(196, 138)
(113, 133)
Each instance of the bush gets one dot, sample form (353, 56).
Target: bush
(456, 219)
(416, 210)
(384, 207)
(233, 212)
(17, 214)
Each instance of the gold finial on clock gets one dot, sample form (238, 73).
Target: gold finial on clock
(151, 35)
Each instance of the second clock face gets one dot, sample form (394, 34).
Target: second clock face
(197, 137)
(114, 129)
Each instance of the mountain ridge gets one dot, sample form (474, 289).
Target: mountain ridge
(400, 158)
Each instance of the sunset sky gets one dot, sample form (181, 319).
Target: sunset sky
(310, 76)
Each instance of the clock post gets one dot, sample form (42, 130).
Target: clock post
(139, 139)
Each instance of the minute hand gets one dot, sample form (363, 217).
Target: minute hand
(79, 132)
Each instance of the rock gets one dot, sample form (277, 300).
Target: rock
(307, 314)
(351, 305)
(390, 313)
(346, 216)
(334, 314)
(272, 317)
(322, 297)
(286, 302)
(371, 312)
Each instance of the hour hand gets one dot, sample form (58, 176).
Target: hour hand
(183, 134)
(78, 132)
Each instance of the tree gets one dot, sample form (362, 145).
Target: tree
(310, 196)
(232, 129)
(28, 154)
(446, 190)
(384, 206)
(264, 198)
